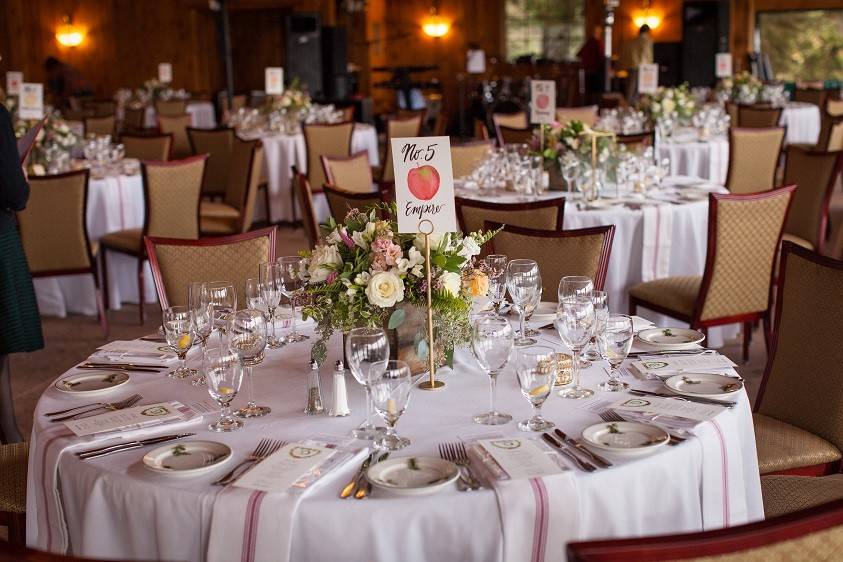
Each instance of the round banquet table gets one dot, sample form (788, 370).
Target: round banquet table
(114, 203)
(202, 115)
(704, 159)
(802, 120)
(113, 507)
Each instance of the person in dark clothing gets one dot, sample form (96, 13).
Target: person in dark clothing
(592, 59)
(64, 82)
(20, 324)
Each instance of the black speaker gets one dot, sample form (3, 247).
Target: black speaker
(303, 33)
(702, 38)
(669, 58)
(335, 63)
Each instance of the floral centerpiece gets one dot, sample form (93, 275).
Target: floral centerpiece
(670, 104)
(55, 139)
(573, 136)
(293, 100)
(743, 88)
(363, 273)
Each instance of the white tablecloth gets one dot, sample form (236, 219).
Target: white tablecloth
(114, 203)
(802, 120)
(202, 115)
(115, 508)
(704, 159)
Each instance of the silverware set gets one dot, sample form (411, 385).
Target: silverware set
(612, 416)
(456, 453)
(568, 452)
(128, 446)
(90, 408)
(358, 486)
(264, 448)
(697, 399)
(115, 366)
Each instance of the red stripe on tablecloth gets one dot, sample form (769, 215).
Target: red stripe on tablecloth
(250, 530)
(725, 472)
(540, 525)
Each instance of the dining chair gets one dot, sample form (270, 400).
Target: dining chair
(236, 212)
(147, 147)
(54, 232)
(812, 534)
(304, 196)
(217, 144)
(744, 232)
(176, 263)
(349, 173)
(134, 118)
(14, 460)
(541, 215)
(399, 127)
(587, 114)
(758, 117)
(467, 156)
(177, 125)
(100, 107)
(814, 174)
(171, 201)
(636, 142)
(341, 201)
(753, 159)
(517, 120)
(798, 414)
(325, 140)
(347, 113)
(786, 494)
(834, 107)
(831, 131)
(815, 96)
(99, 126)
(583, 251)
(171, 107)
(508, 135)
(481, 130)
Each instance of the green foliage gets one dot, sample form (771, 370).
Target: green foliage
(803, 45)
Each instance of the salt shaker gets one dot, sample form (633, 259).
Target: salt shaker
(314, 391)
(339, 408)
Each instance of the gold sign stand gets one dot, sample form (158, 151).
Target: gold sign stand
(593, 136)
(431, 383)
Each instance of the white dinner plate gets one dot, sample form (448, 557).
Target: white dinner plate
(677, 338)
(544, 313)
(91, 383)
(626, 438)
(413, 476)
(706, 385)
(187, 458)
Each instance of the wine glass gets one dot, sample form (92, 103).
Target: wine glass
(203, 322)
(575, 324)
(615, 341)
(390, 395)
(247, 338)
(367, 351)
(223, 296)
(224, 375)
(270, 285)
(601, 312)
(574, 285)
(570, 172)
(291, 277)
(522, 282)
(495, 267)
(531, 307)
(178, 329)
(491, 344)
(535, 368)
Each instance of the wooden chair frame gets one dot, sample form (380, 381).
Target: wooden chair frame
(558, 202)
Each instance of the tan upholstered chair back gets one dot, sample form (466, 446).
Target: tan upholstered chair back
(304, 195)
(217, 144)
(538, 215)
(802, 381)
(465, 158)
(398, 128)
(176, 264)
(148, 147)
(134, 118)
(834, 108)
(171, 191)
(835, 137)
(569, 252)
(99, 125)
(244, 178)
(587, 114)
(101, 108)
(813, 174)
(511, 120)
(350, 173)
(507, 135)
(741, 252)
(170, 108)
(758, 117)
(753, 157)
(325, 140)
(52, 227)
(177, 125)
(341, 201)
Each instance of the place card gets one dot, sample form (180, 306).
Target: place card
(723, 65)
(274, 80)
(283, 468)
(424, 184)
(31, 101)
(14, 79)
(165, 72)
(648, 78)
(668, 407)
(132, 418)
(519, 457)
(673, 364)
(542, 101)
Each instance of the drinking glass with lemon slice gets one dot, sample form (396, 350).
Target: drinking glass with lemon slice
(178, 329)
(390, 395)
(535, 368)
(224, 374)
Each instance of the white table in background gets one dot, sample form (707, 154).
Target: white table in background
(202, 115)
(707, 159)
(802, 120)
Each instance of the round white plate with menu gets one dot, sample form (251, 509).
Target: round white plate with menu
(677, 338)
(86, 384)
(626, 438)
(187, 458)
(704, 385)
(413, 476)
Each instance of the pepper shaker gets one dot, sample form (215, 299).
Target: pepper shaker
(314, 391)
(339, 407)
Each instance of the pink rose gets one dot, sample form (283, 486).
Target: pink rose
(346, 239)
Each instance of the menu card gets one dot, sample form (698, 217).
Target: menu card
(14, 79)
(520, 458)
(132, 418)
(673, 364)
(668, 406)
(281, 469)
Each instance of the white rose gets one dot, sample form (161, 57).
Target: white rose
(320, 260)
(385, 289)
(451, 283)
(362, 279)
(470, 248)
(435, 241)
(668, 105)
(333, 237)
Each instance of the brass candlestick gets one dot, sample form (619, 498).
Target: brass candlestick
(431, 383)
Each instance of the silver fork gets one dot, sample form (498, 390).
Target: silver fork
(265, 448)
(127, 403)
(92, 405)
(613, 416)
(462, 483)
(459, 457)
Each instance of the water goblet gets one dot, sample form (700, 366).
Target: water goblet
(224, 375)
(270, 285)
(495, 267)
(292, 283)
(531, 307)
(615, 342)
(203, 322)
(535, 368)
(246, 333)
(575, 324)
(178, 329)
(570, 173)
(574, 285)
(522, 282)
(491, 344)
(601, 312)
(367, 351)
(390, 395)
(223, 296)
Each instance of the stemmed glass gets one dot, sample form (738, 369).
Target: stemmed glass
(367, 353)
(224, 375)
(178, 329)
(222, 295)
(522, 282)
(270, 286)
(292, 286)
(531, 307)
(570, 171)
(575, 324)
(615, 341)
(247, 338)
(203, 322)
(495, 267)
(491, 343)
(601, 312)
(390, 395)
(535, 368)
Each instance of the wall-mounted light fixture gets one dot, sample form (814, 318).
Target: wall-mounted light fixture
(68, 34)
(435, 25)
(646, 17)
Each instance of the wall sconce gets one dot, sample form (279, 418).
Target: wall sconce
(435, 25)
(68, 34)
(650, 20)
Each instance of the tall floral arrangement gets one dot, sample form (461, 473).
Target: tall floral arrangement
(744, 87)
(571, 137)
(56, 134)
(292, 100)
(675, 104)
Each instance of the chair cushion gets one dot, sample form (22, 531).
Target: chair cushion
(13, 463)
(782, 446)
(219, 210)
(786, 494)
(673, 293)
(797, 240)
(217, 225)
(129, 240)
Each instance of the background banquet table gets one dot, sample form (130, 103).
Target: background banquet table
(704, 159)
(114, 203)
(802, 120)
(114, 507)
(202, 115)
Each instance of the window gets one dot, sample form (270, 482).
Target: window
(551, 29)
(803, 45)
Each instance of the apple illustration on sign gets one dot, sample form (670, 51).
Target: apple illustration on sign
(542, 101)
(423, 182)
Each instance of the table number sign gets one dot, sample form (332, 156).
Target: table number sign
(274, 80)
(648, 78)
(14, 79)
(165, 72)
(31, 101)
(723, 65)
(475, 61)
(542, 101)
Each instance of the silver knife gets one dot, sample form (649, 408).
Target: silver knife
(120, 447)
(699, 400)
(574, 443)
(121, 364)
(581, 464)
